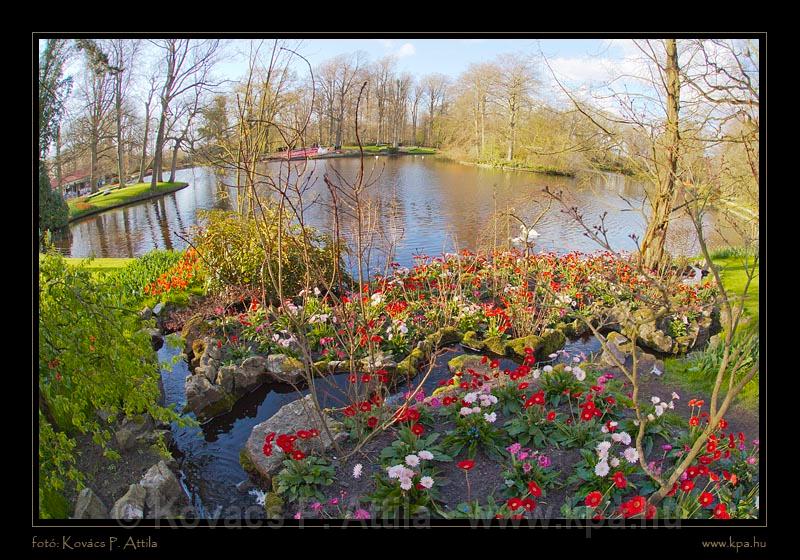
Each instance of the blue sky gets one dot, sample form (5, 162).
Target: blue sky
(581, 59)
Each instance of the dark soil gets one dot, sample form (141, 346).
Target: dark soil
(108, 478)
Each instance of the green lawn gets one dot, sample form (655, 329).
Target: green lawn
(92, 204)
(100, 264)
(403, 149)
(697, 373)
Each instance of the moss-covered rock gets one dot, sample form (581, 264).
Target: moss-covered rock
(246, 463)
(410, 364)
(471, 340)
(464, 362)
(551, 341)
(273, 506)
(446, 335)
(495, 345)
(516, 348)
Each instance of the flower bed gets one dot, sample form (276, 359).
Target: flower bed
(522, 442)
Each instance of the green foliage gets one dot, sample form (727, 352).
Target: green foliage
(302, 480)
(473, 431)
(409, 443)
(232, 248)
(530, 427)
(130, 280)
(53, 211)
(92, 356)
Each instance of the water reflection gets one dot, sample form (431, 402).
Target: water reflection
(416, 206)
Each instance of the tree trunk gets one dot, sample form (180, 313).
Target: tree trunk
(143, 164)
(120, 150)
(654, 242)
(159, 149)
(512, 129)
(93, 167)
(175, 149)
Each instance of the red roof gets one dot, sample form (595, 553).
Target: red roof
(71, 178)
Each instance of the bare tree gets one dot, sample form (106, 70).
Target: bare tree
(435, 86)
(187, 65)
(123, 57)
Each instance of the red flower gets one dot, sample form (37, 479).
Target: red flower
(522, 386)
(350, 411)
(298, 455)
(286, 443)
(593, 499)
(651, 512)
(692, 471)
(687, 485)
(694, 421)
(619, 480)
(417, 429)
(706, 499)
(528, 504)
(314, 432)
(551, 415)
(267, 449)
(303, 434)
(632, 507)
(534, 489)
(372, 421)
(466, 465)
(721, 512)
(514, 504)
(365, 406)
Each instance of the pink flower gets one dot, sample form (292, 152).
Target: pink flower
(361, 514)
(334, 501)
(526, 467)
(316, 506)
(298, 515)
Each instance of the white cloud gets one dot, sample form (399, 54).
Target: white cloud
(407, 49)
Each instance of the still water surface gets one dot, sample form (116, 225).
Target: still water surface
(420, 206)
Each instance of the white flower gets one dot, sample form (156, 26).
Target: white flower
(470, 398)
(491, 418)
(579, 374)
(553, 355)
(601, 468)
(259, 495)
(614, 462)
(602, 449)
(394, 472)
(536, 373)
(476, 410)
(426, 455)
(655, 371)
(655, 400)
(317, 292)
(357, 470)
(426, 481)
(651, 417)
(376, 298)
(547, 369)
(465, 411)
(405, 483)
(671, 405)
(625, 438)
(631, 455)
(617, 437)
(567, 368)
(412, 460)
(576, 359)
(675, 396)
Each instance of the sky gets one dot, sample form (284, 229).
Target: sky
(578, 60)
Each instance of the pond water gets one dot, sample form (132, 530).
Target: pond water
(422, 205)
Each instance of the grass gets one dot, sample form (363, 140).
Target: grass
(696, 372)
(100, 265)
(95, 203)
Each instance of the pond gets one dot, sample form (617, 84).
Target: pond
(422, 205)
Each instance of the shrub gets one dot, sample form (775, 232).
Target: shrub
(53, 211)
(232, 250)
(92, 356)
